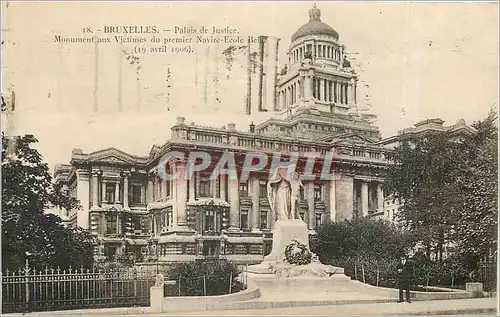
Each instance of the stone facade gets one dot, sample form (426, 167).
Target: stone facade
(134, 212)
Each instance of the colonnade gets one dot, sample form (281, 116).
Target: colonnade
(324, 50)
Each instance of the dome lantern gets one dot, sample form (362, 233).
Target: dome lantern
(314, 14)
(315, 26)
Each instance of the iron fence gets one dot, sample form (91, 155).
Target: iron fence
(205, 285)
(30, 290)
(488, 275)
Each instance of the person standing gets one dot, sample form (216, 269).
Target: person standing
(405, 274)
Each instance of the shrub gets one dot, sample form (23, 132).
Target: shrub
(361, 238)
(214, 276)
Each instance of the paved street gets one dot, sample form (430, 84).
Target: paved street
(457, 306)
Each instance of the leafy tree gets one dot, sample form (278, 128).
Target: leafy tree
(448, 188)
(423, 180)
(367, 249)
(28, 232)
(361, 238)
(476, 228)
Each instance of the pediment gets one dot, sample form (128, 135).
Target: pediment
(112, 155)
(357, 138)
(155, 149)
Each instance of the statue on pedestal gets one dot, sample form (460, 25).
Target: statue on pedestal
(283, 193)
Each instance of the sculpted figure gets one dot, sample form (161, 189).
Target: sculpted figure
(283, 193)
(279, 195)
(295, 185)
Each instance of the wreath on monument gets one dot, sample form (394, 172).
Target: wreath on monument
(297, 253)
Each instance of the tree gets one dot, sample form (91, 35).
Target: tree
(448, 188)
(367, 249)
(27, 232)
(361, 238)
(476, 226)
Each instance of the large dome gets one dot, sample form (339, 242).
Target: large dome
(315, 26)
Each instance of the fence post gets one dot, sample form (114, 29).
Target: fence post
(377, 276)
(135, 282)
(26, 285)
(204, 286)
(363, 270)
(231, 282)
(246, 277)
(179, 286)
(355, 272)
(427, 286)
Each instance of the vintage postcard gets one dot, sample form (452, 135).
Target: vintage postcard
(258, 158)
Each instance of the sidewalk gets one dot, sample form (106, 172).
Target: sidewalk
(439, 307)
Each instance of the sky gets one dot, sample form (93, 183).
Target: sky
(415, 61)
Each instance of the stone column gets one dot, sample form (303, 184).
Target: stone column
(143, 192)
(380, 197)
(321, 95)
(164, 189)
(355, 95)
(333, 209)
(310, 204)
(95, 189)
(308, 87)
(254, 188)
(364, 199)
(83, 193)
(223, 187)
(339, 97)
(351, 93)
(150, 191)
(119, 220)
(213, 187)
(181, 199)
(125, 190)
(103, 193)
(344, 197)
(117, 192)
(158, 188)
(174, 184)
(192, 191)
(234, 200)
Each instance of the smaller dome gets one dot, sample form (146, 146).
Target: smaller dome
(315, 26)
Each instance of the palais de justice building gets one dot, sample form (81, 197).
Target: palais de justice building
(135, 212)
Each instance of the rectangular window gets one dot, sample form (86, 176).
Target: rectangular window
(111, 222)
(167, 189)
(318, 220)
(136, 223)
(243, 189)
(109, 252)
(209, 220)
(244, 219)
(110, 193)
(204, 190)
(262, 189)
(136, 194)
(263, 219)
(318, 192)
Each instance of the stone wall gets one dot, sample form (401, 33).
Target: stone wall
(160, 304)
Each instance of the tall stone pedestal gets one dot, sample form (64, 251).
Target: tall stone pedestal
(274, 264)
(283, 233)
